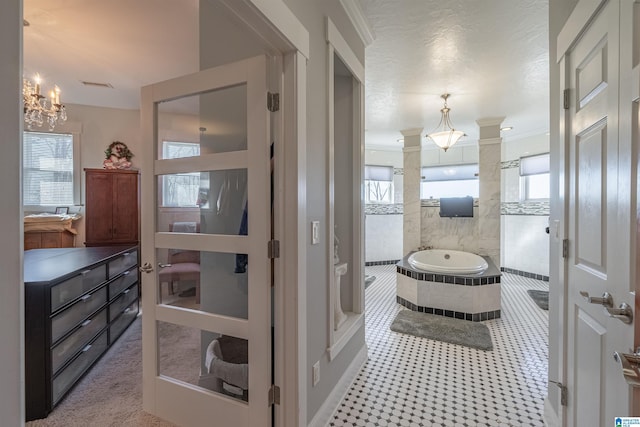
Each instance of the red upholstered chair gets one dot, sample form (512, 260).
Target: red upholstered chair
(182, 265)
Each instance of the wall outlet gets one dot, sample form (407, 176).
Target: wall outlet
(316, 373)
(315, 232)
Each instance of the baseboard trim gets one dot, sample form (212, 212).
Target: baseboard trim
(331, 404)
(550, 417)
(387, 262)
(525, 274)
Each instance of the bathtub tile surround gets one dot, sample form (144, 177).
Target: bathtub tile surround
(473, 317)
(473, 297)
(412, 381)
(411, 189)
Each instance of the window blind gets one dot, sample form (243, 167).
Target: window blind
(47, 169)
(183, 189)
(378, 173)
(534, 165)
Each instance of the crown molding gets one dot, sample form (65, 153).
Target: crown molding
(359, 20)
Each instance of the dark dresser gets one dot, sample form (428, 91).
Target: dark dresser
(78, 301)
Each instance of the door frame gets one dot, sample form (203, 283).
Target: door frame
(285, 36)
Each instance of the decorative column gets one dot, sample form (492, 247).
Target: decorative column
(411, 225)
(490, 155)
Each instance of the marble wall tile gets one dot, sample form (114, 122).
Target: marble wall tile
(449, 233)
(486, 298)
(407, 288)
(489, 200)
(446, 296)
(510, 185)
(411, 197)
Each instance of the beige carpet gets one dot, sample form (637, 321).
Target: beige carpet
(111, 392)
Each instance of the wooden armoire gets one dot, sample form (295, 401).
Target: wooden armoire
(112, 211)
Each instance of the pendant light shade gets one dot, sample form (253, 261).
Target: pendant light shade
(445, 136)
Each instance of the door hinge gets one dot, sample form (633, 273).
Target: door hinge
(565, 248)
(566, 93)
(563, 392)
(273, 249)
(273, 101)
(274, 395)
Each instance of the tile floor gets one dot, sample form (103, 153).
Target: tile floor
(411, 381)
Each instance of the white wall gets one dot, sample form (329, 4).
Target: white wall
(383, 232)
(383, 238)
(312, 15)
(525, 245)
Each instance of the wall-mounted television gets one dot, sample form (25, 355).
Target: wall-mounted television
(456, 207)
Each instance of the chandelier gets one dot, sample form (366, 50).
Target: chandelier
(445, 135)
(38, 109)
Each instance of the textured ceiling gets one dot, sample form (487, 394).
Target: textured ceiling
(490, 55)
(125, 43)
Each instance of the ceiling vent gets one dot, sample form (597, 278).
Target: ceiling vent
(98, 84)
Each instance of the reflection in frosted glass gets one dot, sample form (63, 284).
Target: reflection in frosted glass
(216, 362)
(215, 201)
(215, 120)
(204, 281)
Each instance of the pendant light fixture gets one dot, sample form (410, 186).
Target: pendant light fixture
(445, 136)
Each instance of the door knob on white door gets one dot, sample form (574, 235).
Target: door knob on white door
(624, 313)
(146, 268)
(629, 364)
(606, 299)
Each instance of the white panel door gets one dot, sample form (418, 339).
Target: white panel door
(205, 230)
(598, 225)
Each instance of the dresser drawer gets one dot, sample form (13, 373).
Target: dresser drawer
(74, 342)
(122, 263)
(123, 301)
(72, 288)
(69, 375)
(127, 279)
(78, 312)
(123, 321)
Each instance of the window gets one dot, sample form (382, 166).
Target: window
(50, 176)
(378, 184)
(534, 177)
(183, 189)
(449, 181)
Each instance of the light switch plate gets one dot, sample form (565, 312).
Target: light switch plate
(315, 232)
(316, 373)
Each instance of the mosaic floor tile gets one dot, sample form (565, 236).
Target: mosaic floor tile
(412, 381)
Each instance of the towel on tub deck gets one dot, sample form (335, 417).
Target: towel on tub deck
(227, 368)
